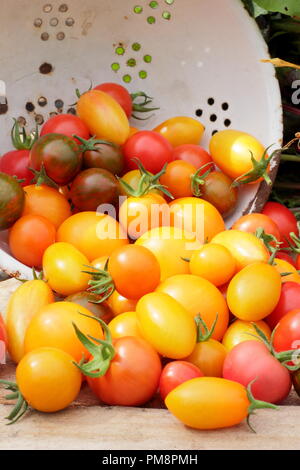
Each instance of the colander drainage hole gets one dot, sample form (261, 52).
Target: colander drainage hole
(199, 112)
(211, 101)
(39, 119)
(29, 106)
(45, 68)
(213, 117)
(59, 104)
(71, 111)
(227, 122)
(42, 101)
(214, 132)
(21, 121)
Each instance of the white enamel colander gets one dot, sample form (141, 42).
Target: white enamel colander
(200, 58)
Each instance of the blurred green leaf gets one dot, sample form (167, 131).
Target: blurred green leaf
(287, 7)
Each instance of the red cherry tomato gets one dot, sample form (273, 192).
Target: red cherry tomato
(289, 300)
(252, 361)
(66, 124)
(251, 222)
(15, 163)
(3, 341)
(150, 148)
(174, 374)
(195, 155)
(284, 218)
(287, 333)
(120, 94)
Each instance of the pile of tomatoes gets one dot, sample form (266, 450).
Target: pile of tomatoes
(142, 290)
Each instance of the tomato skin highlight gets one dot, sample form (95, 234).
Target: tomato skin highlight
(252, 360)
(181, 130)
(66, 124)
(133, 375)
(124, 324)
(103, 116)
(29, 238)
(16, 163)
(48, 380)
(150, 148)
(209, 403)
(166, 325)
(176, 373)
(289, 300)
(253, 292)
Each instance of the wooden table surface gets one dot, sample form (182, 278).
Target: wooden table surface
(88, 425)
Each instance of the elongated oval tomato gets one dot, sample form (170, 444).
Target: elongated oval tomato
(170, 245)
(232, 151)
(209, 403)
(196, 216)
(92, 233)
(245, 247)
(118, 93)
(48, 379)
(198, 296)
(166, 325)
(181, 130)
(103, 116)
(240, 331)
(53, 327)
(63, 267)
(254, 292)
(23, 305)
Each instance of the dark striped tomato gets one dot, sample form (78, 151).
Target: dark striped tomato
(12, 198)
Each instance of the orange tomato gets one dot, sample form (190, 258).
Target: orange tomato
(47, 202)
(213, 262)
(181, 130)
(196, 216)
(125, 324)
(240, 331)
(103, 116)
(198, 296)
(209, 356)
(251, 222)
(283, 266)
(178, 178)
(120, 304)
(29, 237)
(93, 234)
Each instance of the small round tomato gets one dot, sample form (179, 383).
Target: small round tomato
(171, 246)
(135, 271)
(120, 304)
(178, 178)
(89, 301)
(284, 218)
(287, 334)
(251, 222)
(195, 155)
(94, 187)
(92, 233)
(28, 239)
(196, 216)
(283, 267)
(16, 163)
(47, 202)
(59, 155)
(181, 130)
(133, 178)
(176, 373)
(66, 124)
(166, 325)
(63, 267)
(245, 247)
(289, 300)
(103, 116)
(53, 327)
(209, 356)
(118, 93)
(207, 261)
(232, 151)
(153, 150)
(218, 190)
(48, 380)
(125, 324)
(198, 296)
(12, 199)
(253, 293)
(103, 155)
(240, 331)
(251, 361)
(137, 215)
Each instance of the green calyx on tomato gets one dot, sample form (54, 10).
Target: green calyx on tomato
(101, 284)
(20, 407)
(284, 357)
(147, 183)
(91, 144)
(102, 353)
(41, 177)
(256, 405)
(198, 181)
(141, 106)
(259, 170)
(296, 247)
(200, 323)
(20, 140)
(270, 242)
